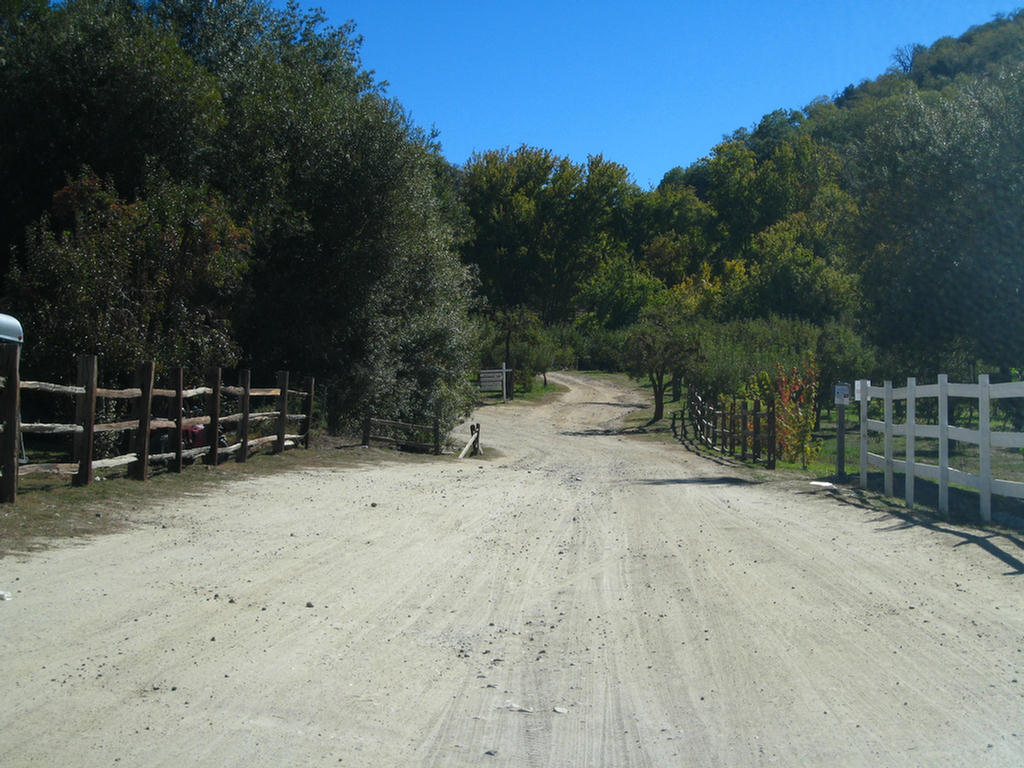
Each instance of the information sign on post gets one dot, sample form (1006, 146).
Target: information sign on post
(842, 394)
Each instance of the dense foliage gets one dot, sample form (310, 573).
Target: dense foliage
(878, 230)
(231, 186)
(223, 182)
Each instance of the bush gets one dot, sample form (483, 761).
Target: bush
(796, 394)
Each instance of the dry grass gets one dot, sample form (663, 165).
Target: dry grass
(50, 510)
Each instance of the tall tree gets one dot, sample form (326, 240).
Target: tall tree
(354, 273)
(151, 279)
(91, 83)
(540, 223)
(942, 213)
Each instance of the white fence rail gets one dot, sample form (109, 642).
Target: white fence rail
(983, 482)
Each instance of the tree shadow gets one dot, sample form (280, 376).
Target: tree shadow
(984, 539)
(1000, 544)
(716, 480)
(635, 406)
(606, 432)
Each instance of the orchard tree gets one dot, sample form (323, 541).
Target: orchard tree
(660, 344)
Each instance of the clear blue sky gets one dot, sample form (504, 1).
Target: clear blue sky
(651, 85)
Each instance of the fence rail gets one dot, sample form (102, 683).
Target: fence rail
(984, 437)
(189, 438)
(372, 426)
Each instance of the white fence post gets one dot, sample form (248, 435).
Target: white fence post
(911, 434)
(888, 439)
(986, 440)
(864, 399)
(944, 443)
(984, 449)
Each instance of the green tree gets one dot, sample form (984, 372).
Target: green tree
(91, 83)
(540, 225)
(618, 291)
(658, 345)
(355, 228)
(735, 197)
(941, 214)
(672, 231)
(148, 280)
(354, 270)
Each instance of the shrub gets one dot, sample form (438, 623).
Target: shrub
(796, 392)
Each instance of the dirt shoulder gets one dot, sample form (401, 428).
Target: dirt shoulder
(573, 597)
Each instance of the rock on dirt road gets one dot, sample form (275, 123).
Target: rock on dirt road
(576, 598)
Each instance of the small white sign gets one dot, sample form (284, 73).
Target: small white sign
(842, 394)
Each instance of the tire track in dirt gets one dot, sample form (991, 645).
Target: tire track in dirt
(579, 598)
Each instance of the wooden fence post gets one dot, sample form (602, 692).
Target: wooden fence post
(85, 410)
(282, 410)
(743, 430)
(10, 412)
(437, 436)
(366, 429)
(178, 379)
(144, 379)
(244, 381)
(756, 447)
(310, 382)
(732, 428)
(213, 408)
(773, 447)
(841, 442)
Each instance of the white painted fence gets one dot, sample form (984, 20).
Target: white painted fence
(983, 437)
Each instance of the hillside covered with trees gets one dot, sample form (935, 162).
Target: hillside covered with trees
(202, 183)
(875, 231)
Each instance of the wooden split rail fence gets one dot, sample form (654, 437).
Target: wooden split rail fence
(201, 429)
(746, 430)
(385, 431)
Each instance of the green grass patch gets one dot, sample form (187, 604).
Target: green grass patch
(541, 392)
(538, 393)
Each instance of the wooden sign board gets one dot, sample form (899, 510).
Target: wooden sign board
(492, 381)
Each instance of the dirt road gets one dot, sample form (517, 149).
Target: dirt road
(583, 599)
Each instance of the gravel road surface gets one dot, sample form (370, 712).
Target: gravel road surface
(573, 598)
